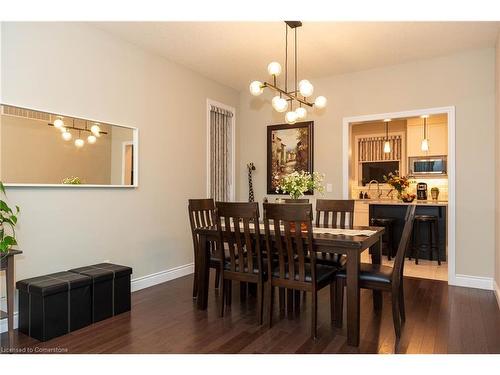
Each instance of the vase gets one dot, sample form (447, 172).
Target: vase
(435, 193)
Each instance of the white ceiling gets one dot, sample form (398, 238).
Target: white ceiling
(235, 53)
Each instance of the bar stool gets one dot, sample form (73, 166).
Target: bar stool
(433, 243)
(388, 236)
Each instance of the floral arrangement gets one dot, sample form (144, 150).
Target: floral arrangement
(72, 181)
(8, 221)
(297, 184)
(400, 184)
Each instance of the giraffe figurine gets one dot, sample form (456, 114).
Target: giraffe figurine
(251, 167)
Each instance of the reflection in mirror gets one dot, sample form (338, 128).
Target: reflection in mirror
(44, 148)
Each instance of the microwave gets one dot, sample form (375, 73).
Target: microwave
(427, 166)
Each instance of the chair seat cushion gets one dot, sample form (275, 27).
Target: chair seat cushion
(372, 272)
(323, 272)
(334, 260)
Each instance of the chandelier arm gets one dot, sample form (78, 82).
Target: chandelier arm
(289, 95)
(77, 128)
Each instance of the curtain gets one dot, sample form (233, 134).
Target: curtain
(220, 153)
(372, 149)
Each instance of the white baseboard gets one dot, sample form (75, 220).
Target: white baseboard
(161, 277)
(477, 282)
(497, 292)
(136, 284)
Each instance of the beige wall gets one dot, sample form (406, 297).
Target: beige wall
(464, 80)
(497, 169)
(88, 73)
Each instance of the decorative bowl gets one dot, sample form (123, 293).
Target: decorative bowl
(408, 198)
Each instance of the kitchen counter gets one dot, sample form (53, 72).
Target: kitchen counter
(397, 202)
(397, 210)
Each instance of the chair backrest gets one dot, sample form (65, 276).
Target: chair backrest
(235, 222)
(333, 213)
(397, 272)
(201, 214)
(285, 241)
(289, 200)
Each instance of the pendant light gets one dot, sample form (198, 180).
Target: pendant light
(387, 144)
(79, 142)
(424, 146)
(285, 97)
(58, 123)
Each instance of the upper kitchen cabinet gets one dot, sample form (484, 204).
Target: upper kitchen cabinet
(437, 134)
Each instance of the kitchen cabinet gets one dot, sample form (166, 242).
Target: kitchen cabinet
(361, 213)
(437, 133)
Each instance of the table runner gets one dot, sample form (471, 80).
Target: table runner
(333, 231)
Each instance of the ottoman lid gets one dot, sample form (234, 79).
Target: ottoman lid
(53, 283)
(117, 269)
(96, 274)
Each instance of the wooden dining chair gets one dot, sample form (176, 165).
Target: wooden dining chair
(333, 213)
(239, 250)
(295, 265)
(201, 214)
(382, 278)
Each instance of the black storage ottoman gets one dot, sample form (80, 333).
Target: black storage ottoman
(110, 289)
(55, 304)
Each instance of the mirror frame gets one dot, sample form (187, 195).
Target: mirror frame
(135, 140)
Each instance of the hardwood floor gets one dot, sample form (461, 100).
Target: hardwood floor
(164, 319)
(425, 269)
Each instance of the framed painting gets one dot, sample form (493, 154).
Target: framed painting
(289, 149)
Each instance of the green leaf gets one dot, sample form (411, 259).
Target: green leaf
(2, 188)
(4, 207)
(9, 240)
(17, 209)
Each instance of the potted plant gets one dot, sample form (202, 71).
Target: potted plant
(400, 184)
(8, 222)
(296, 184)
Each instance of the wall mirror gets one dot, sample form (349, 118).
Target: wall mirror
(40, 148)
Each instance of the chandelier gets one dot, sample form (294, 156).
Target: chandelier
(67, 131)
(285, 100)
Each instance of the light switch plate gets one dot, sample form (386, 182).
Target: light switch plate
(329, 188)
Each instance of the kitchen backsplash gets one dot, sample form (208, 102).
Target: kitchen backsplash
(440, 183)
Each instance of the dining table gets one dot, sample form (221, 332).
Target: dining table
(348, 241)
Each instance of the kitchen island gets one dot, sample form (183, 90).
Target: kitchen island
(397, 209)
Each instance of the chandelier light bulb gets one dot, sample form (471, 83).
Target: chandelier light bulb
(79, 142)
(279, 104)
(306, 88)
(320, 102)
(425, 145)
(91, 139)
(291, 117)
(95, 129)
(301, 113)
(58, 123)
(274, 69)
(387, 147)
(256, 88)
(66, 135)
